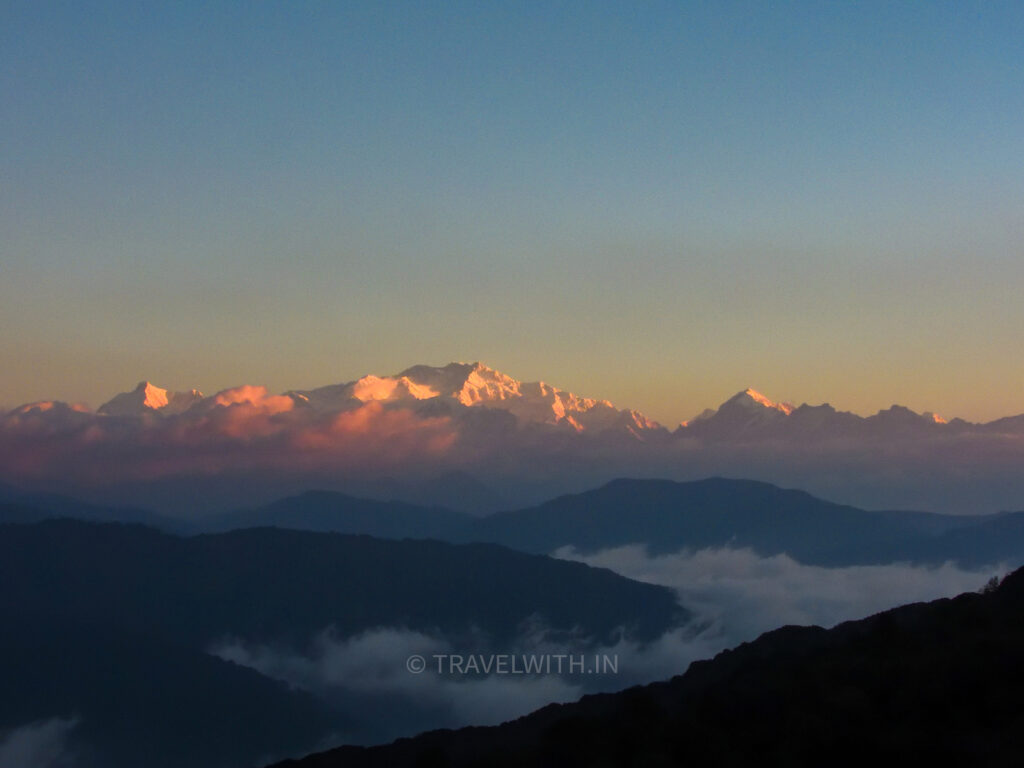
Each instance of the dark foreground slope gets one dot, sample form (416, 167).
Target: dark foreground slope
(939, 683)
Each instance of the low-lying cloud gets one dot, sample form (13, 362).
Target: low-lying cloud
(370, 672)
(42, 744)
(734, 594)
(743, 594)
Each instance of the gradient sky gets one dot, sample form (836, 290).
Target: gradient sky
(657, 203)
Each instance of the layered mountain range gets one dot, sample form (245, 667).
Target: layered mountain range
(507, 441)
(236, 647)
(661, 516)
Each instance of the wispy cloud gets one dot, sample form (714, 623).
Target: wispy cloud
(42, 744)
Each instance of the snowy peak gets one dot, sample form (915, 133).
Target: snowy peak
(469, 383)
(753, 400)
(402, 388)
(749, 414)
(475, 385)
(148, 398)
(746, 413)
(152, 397)
(742, 413)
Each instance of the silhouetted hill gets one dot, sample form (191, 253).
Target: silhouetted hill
(342, 513)
(17, 505)
(668, 516)
(271, 584)
(931, 683)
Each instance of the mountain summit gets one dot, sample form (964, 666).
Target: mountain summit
(147, 398)
(745, 411)
(477, 385)
(749, 414)
(751, 399)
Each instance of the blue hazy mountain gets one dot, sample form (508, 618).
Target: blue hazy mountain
(668, 516)
(20, 506)
(663, 515)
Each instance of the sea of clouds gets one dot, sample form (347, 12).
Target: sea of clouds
(733, 594)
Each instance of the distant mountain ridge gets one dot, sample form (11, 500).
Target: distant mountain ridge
(477, 385)
(749, 413)
(667, 516)
(662, 515)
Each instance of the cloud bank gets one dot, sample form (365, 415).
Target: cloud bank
(740, 594)
(735, 595)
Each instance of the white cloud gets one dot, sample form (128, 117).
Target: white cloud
(741, 594)
(374, 663)
(42, 744)
(734, 594)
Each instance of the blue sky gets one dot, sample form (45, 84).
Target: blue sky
(658, 203)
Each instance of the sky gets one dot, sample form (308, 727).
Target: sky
(657, 203)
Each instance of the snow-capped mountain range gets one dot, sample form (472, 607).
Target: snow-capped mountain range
(749, 414)
(475, 385)
(469, 385)
(448, 433)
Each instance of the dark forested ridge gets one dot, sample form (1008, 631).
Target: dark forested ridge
(268, 584)
(111, 624)
(936, 683)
